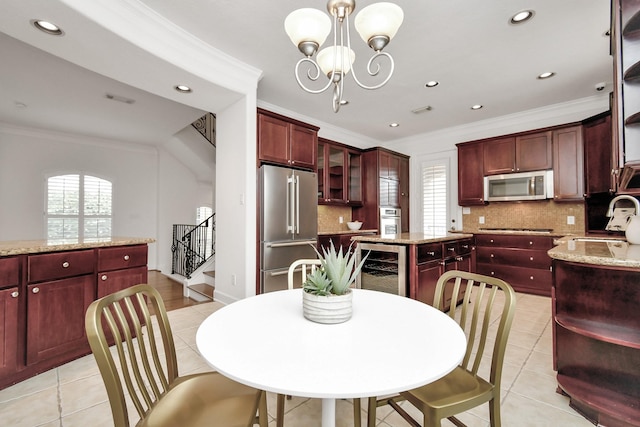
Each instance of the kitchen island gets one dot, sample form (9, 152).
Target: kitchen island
(596, 327)
(425, 258)
(45, 289)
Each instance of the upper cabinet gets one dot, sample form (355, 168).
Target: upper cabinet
(600, 155)
(339, 174)
(470, 174)
(286, 142)
(568, 171)
(522, 153)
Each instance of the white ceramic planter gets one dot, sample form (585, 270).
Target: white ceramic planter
(327, 309)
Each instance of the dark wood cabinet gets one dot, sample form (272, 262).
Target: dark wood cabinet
(287, 142)
(339, 240)
(596, 331)
(121, 267)
(9, 299)
(470, 174)
(521, 261)
(599, 155)
(43, 300)
(385, 179)
(568, 171)
(520, 153)
(339, 174)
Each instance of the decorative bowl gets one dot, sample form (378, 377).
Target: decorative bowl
(354, 225)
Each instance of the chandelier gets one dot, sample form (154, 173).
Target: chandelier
(308, 29)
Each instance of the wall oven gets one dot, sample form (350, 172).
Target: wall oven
(390, 222)
(384, 270)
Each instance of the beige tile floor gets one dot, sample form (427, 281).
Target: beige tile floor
(73, 394)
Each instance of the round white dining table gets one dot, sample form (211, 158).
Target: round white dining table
(390, 344)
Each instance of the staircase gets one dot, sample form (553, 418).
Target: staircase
(193, 260)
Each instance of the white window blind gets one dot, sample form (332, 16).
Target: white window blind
(434, 202)
(78, 207)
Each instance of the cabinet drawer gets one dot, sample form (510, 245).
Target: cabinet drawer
(521, 279)
(60, 264)
(510, 241)
(515, 257)
(122, 257)
(429, 252)
(9, 271)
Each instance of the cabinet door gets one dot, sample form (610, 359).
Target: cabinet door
(499, 156)
(534, 152)
(568, 164)
(302, 145)
(113, 281)
(335, 172)
(598, 156)
(470, 174)
(389, 193)
(322, 147)
(273, 140)
(404, 194)
(428, 275)
(55, 318)
(8, 330)
(354, 177)
(389, 165)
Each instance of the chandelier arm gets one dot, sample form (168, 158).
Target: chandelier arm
(313, 77)
(369, 65)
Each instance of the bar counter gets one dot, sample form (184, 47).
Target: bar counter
(20, 247)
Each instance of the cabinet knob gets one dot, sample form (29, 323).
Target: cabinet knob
(103, 277)
(65, 264)
(491, 255)
(530, 243)
(451, 249)
(530, 258)
(493, 274)
(431, 253)
(465, 246)
(491, 240)
(531, 277)
(15, 294)
(35, 290)
(126, 257)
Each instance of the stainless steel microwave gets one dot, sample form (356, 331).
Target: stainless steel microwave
(519, 186)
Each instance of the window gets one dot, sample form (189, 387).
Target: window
(434, 198)
(78, 207)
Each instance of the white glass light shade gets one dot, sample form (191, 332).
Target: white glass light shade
(307, 25)
(326, 55)
(379, 19)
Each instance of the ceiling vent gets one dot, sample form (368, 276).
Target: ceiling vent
(119, 98)
(421, 109)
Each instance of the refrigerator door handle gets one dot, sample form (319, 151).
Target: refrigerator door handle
(290, 204)
(288, 244)
(297, 187)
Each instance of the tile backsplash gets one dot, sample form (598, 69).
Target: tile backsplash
(534, 214)
(329, 218)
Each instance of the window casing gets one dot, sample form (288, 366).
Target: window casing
(78, 207)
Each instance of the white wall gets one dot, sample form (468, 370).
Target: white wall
(152, 190)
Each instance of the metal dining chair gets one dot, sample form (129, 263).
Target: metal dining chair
(142, 368)
(304, 267)
(485, 314)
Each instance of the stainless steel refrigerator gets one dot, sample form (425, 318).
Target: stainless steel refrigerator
(288, 222)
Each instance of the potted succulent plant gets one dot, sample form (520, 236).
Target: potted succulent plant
(327, 296)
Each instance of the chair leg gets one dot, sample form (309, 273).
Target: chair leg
(371, 412)
(280, 410)
(494, 412)
(357, 413)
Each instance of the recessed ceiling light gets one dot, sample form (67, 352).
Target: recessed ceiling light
(546, 75)
(476, 107)
(394, 125)
(521, 17)
(432, 83)
(182, 88)
(47, 27)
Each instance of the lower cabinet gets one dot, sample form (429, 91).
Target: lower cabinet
(521, 261)
(55, 318)
(43, 300)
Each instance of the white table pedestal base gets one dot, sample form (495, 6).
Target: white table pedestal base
(328, 413)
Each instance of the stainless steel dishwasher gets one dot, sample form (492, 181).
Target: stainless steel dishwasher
(385, 269)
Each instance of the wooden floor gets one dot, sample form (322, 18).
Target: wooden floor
(170, 290)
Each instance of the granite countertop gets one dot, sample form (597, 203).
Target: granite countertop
(611, 251)
(412, 238)
(331, 233)
(526, 232)
(19, 247)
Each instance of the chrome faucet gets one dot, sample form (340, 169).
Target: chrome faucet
(613, 202)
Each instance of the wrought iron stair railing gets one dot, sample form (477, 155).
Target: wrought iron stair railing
(192, 246)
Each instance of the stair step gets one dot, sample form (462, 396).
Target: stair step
(203, 289)
(211, 273)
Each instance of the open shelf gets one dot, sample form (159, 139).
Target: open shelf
(611, 333)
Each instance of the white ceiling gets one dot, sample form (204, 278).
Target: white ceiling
(468, 46)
